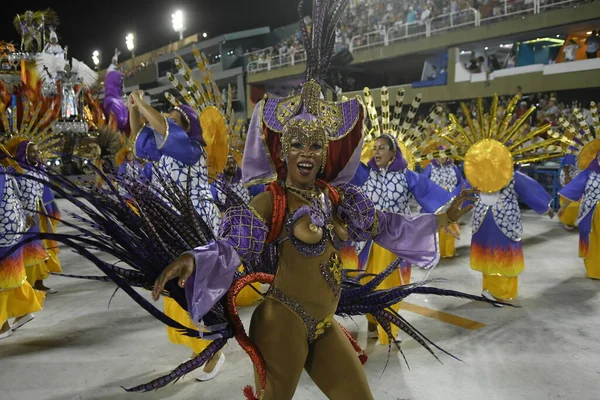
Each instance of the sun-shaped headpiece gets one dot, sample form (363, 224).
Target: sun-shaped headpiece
(585, 137)
(216, 115)
(412, 140)
(491, 145)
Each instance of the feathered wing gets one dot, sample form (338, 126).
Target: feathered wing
(48, 65)
(87, 75)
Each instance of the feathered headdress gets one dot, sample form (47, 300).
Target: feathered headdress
(413, 141)
(30, 119)
(308, 116)
(490, 147)
(586, 138)
(216, 116)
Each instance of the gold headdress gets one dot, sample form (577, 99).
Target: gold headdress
(216, 117)
(586, 138)
(413, 141)
(490, 147)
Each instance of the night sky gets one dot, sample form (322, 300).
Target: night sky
(93, 25)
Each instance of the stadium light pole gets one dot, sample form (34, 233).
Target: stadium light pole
(178, 23)
(96, 59)
(129, 41)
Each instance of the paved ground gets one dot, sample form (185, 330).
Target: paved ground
(79, 348)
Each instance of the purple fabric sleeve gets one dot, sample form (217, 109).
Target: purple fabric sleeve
(216, 264)
(459, 177)
(3, 180)
(358, 211)
(245, 231)
(257, 166)
(177, 145)
(145, 145)
(574, 189)
(413, 238)
(532, 193)
(429, 195)
(244, 235)
(427, 171)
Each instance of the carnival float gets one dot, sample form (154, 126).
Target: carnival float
(42, 89)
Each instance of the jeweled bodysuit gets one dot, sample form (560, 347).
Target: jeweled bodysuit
(293, 327)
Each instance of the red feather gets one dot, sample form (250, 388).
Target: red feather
(249, 393)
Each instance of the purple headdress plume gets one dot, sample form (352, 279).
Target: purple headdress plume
(319, 50)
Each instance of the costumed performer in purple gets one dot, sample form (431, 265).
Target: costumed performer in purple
(174, 145)
(31, 192)
(586, 188)
(308, 212)
(114, 106)
(391, 185)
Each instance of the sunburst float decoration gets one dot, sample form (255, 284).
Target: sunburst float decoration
(216, 116)
(30, 119)
(586, 138)
(412, 140)
(491, 145)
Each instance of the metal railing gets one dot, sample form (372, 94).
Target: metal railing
(278, 61)
(499, 9)
(454, 20)
(407, 31)
(548, 4)
(493, 11)
(370, 39)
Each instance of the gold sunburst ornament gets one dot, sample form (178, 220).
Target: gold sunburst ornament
(412, 140)
(586, 138)
(215, 114)
(491, 144)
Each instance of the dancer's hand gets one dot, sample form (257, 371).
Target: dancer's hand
(181, 268)
(450, 231)
(456, 210)
(562, 210)
(551, 213)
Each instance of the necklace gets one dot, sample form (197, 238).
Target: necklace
(308, 195)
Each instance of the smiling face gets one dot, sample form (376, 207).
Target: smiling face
(304, 162)
(129, 156)
(383, 152)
